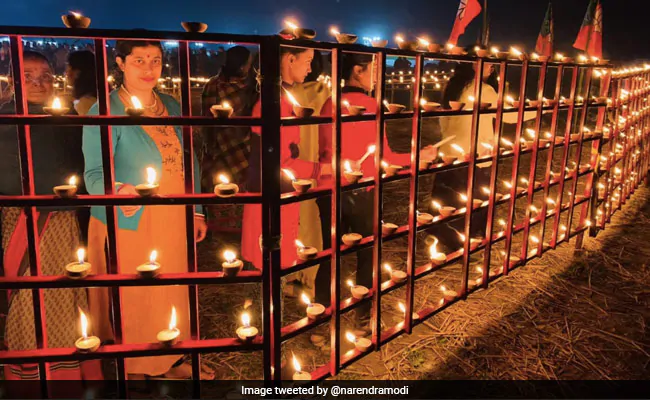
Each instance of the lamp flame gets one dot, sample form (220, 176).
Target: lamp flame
(291, 98)
(299, 244)
(350, 337)
(172, 319)
(334, 31)
(136, 103)
(305, 299)
(346, 166)
(151, 175)
(81, 254)
(153, 256)
(56, 103)
(402, 307)
(296, 363)
(246, 320)
(84, 324)
(289, 174)
(436, 205)
(229, 255)
(388, 268)
(72, 181)
(223, 179)
(458, 148)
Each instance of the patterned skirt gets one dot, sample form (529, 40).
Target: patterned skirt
(59, 240)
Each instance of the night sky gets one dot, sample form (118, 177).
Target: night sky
(512, 21)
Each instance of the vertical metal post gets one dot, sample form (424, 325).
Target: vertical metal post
(413, 194)
(471, 173)
(335, 263)
(549, 160)
(565, 157)
(510, 224)
(378, 206)
(271, 274)
(533, 163)
(27, 183)
(494, 173)
(106, 140)
(188, 171)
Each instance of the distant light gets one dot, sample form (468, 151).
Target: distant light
(171, 43)
(198, 44)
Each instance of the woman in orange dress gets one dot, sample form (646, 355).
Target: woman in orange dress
(145, 310)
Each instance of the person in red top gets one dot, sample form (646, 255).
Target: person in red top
(295, 65)
(357, 208)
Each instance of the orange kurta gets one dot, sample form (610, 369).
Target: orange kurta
(146, 310)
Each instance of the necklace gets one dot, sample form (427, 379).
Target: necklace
(155, 99)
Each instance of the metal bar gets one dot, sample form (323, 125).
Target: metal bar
(378, 200)
(31, 215)
(494, 173)
(271, 293)
(549, 160)
(565, 157)
(532, 173)
(515, 167)
(110, 120)
(581, 125)
(123, 200)
(188, 172)
(413, 197)
(471, 173)
(336, 232)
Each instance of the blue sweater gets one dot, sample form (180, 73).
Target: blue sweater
(133, 152)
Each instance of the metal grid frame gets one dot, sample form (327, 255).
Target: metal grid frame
(271, 198)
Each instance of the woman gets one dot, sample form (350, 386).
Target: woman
(295, 64)
(56, 153)
(448, 185)
(145, 310)
(80, 72)
(360, 75)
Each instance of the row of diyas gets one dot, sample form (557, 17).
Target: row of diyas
(81, 268)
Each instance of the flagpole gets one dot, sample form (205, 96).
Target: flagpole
(485, 23)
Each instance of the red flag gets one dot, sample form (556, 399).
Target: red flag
(590, 37)
(544, 45)
(467, 11)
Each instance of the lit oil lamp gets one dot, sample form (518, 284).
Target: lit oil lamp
(395, 274)
(435, 256)
(448, 294)
(358, 291)
(136, 108)
(223, 110)
(361, 344)
(503, 225)
(481, 52)
(150, 269)
(75, 20)
(301, 185)
(393, 108)
(298, 110)
(424, 218)
(294, 31)
(406, 44)
(455, 50)
(462, 155)
(548, 102)
(246, 332)
(169, 336)
(299, 374)
(314, 310)
(354, 110)
(232, 266)
(497, 196)
(498, 54)
(431, 47)
(507, 143)
(429, 106)
(67, 191)
(351, 175)
(388, 228)
(513, 259)
(343, 38)
(56, 108)
(444, 211)
(390, 169)
(151, 187)
(379, 42)
(402, 308)
(79, 269)
(475, 202)
(517, 54)
(351, 239)
(305, 252)
(482, 105)
(225, 188)
(86, 344)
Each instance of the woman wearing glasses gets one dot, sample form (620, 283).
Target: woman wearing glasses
(56, 156)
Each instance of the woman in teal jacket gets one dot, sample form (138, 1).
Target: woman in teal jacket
(145, 310)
